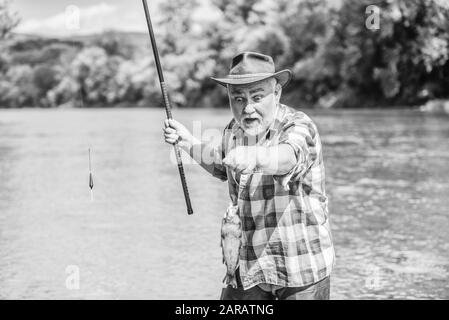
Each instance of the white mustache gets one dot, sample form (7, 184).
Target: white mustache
(251, 117)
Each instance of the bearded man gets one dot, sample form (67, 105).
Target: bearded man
(271, 156)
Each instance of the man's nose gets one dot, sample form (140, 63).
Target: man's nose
(249, 108)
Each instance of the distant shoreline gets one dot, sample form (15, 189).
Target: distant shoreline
(124, 106)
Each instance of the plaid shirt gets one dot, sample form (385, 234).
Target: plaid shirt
(286, 237)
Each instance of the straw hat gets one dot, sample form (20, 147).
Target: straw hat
(249, 67)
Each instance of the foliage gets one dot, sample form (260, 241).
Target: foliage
(336, 60)
(8, 20)
(114, 44)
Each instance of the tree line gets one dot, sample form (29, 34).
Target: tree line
(337, 61)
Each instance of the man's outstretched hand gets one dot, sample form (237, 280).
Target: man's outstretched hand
(274, 160)
(244, 159)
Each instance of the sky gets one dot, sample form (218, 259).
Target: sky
(80, 17)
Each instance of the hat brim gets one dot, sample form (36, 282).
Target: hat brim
(283, 77)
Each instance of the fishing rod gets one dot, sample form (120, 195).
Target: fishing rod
(167, 106)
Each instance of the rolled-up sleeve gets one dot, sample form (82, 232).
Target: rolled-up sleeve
(300, 134)
(219, 170)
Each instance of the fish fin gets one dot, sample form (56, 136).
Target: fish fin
(233, 282)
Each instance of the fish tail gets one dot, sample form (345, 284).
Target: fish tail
(230, 280)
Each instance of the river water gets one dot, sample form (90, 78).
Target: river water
(387, 181)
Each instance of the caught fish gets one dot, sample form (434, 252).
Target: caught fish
(231, 232)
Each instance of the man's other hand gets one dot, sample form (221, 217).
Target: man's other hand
(174, 132)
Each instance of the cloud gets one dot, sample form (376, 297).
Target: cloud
(74, 20)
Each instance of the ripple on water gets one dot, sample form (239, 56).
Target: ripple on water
(387, 181)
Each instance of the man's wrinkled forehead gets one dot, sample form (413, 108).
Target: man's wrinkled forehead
(264, 85)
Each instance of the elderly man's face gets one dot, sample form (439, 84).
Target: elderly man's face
(254, 105)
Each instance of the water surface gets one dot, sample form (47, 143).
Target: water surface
(387, 180)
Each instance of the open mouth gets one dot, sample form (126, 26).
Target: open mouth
(250, 121)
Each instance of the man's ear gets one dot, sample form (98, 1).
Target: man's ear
(277, 92)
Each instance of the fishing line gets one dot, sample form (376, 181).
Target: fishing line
(91, 180)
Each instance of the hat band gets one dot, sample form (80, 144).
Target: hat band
(249, 75)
